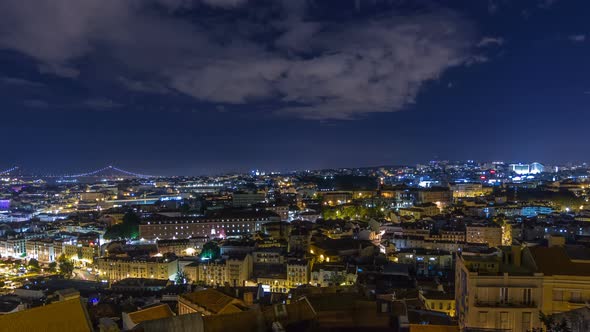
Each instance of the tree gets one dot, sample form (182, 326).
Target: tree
(355, 212)
(210, 250)
(52, 267)
(337, 279)
(551, 325)
(128, 229)
(131, 218)
(185, 208)
(33, 264)
(181, 278)
(66, 266)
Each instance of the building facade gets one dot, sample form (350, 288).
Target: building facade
(115, 268)
(495, 290)
(215, 226)
(490, 234)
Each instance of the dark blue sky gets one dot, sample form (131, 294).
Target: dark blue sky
(206, 86)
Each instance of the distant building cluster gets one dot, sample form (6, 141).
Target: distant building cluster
(442, 246)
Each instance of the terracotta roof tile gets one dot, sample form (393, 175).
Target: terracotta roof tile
(157, 312)
(61, 316)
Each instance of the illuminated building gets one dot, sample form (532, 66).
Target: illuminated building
(526, 169)
(495, 289)
(13, 247)
(324, 275)
(537, 168)
(245, 199)
(462, 190)
(425, 262)
(234, 270)
(281, 210)
(43, 250)
(118, 268)
(82, 254)
(335, 250)
(486, 234)
(336, 198)
(398, 198)
(299, 240)
(222, 225)
(420, 211)
(439, 301)
(507, 288)
(268, 256)
(179, 247)
(297, 273)
(520, 169)
(407, 242)
(277, 230)
(454, 235)
(207, 273)
(4, 204)
(438, 195)
(274, 283)
(239, 269)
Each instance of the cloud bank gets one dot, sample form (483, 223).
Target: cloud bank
(248, 52)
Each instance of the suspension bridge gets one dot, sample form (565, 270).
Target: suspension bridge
(109, 171)
(9, 171)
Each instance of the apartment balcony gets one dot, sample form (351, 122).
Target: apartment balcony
(496, 304)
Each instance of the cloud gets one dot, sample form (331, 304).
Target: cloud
(545, 4)
(490, 41)
(101, 104)
(577, 38)
(59, 69)
(20, 82)
(177, 5)
(35, 103)
(225, 3)
(144, 86)
(305, 67)
(373, 66)
(492, 7)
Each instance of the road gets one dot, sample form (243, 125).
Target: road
(83, 274)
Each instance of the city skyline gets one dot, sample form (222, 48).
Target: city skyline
(113, 168)
(23, 170)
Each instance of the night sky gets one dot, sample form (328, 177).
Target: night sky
(208, 86)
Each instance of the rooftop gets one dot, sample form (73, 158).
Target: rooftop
(61, 316)
(573, 261)
(157, 312)
(210, 299)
